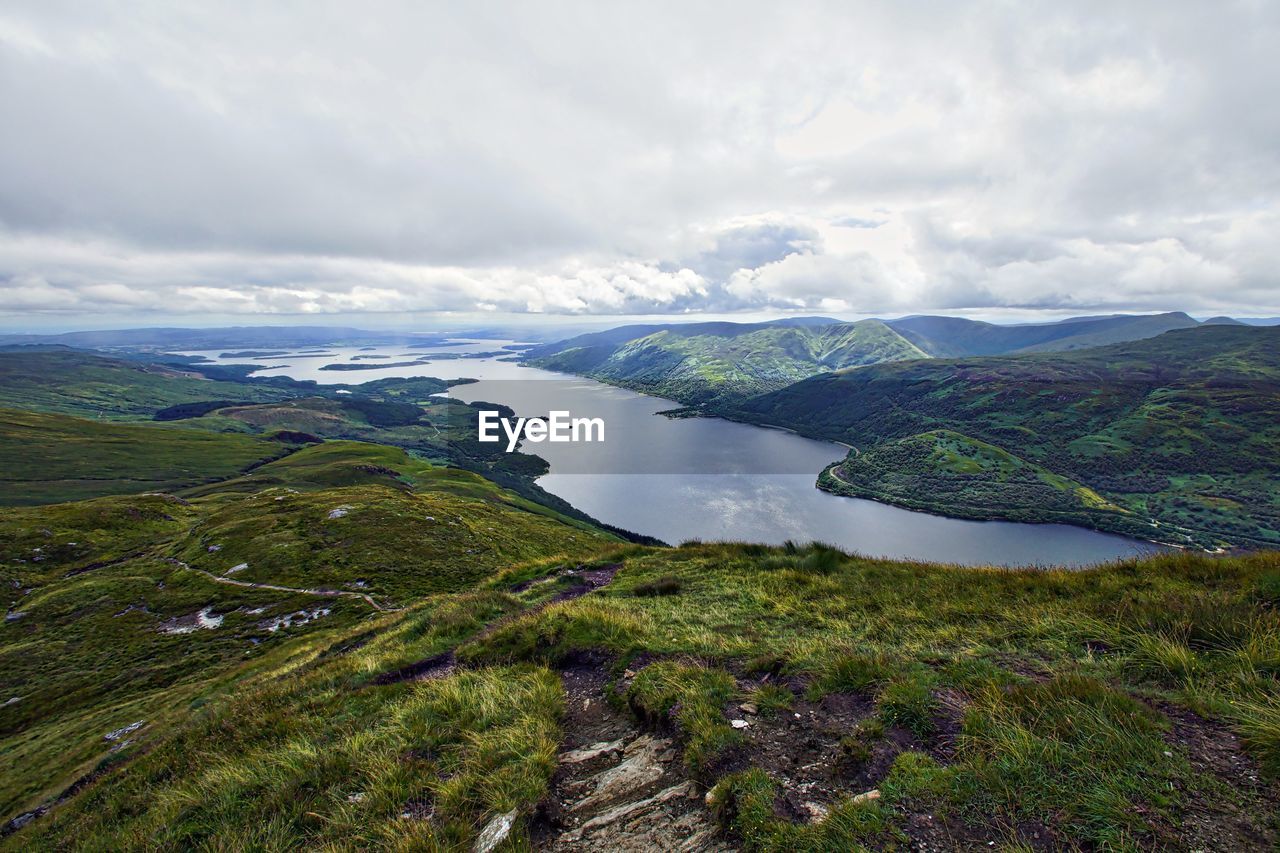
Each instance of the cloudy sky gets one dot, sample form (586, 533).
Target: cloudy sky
(322, 160)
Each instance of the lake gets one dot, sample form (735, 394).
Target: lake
(706, 478)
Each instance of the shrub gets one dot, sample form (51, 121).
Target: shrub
(1266, 590)
(821, 559)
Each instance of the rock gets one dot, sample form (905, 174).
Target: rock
(630, 673)
(817, 811)
(873, 794)
(739, 724)
(238, 567)
(338, 512)
(495, 832)
(748, 708)
(640, 768)
(357, 797)
(627, 809)
(14, 616)
(25, 818)
(13, 700)
(595, 750)
(213, 549)
(121, 732)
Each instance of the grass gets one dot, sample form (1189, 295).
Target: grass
(53, 458)
(1050, 728)
(1050, 686)
(690, 697)
(93, 385)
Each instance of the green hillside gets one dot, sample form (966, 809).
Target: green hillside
(134, 608)
(747, 697)
(705, 362)
(1179, 432)
(73, 382)
(51, 458)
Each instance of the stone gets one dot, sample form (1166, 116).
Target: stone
(627, 809)
(817, 811)
(495, 832)
(587, 753)
(748, 708)
(639, 769)
(873, 794)
(739, 724)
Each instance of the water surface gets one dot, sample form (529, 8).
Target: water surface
(710, 479)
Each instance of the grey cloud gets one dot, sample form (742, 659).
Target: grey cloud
(752, 245)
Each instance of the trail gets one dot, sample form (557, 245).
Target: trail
(323, 593)
(618, 787)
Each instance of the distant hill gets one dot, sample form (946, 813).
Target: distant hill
(701, 362)
(48, 458)
(1177, 432)
(948, 337)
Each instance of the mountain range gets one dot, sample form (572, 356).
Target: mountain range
(698, 363)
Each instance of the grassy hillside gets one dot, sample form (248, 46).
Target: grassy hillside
(143, 608)
(74, 382)
(761, 699)
(52, 458)
(704, 362)
(1178, 432)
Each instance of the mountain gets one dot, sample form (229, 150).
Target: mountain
(949, 337)
(49, 458)
(1171, 438)
(713, 363)
(700, 362)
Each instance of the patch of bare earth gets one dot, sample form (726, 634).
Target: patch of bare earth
(1243, 816)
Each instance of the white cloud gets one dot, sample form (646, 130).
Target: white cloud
(646, 159)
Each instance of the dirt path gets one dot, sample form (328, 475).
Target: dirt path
(323, 593)
(618, 788)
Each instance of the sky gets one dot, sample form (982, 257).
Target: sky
(395, 163)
